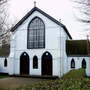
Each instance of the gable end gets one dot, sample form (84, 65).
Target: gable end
(48, 16)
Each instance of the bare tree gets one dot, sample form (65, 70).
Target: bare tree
(2, 1)
(3, 16)
(4, 27)
(82, 10)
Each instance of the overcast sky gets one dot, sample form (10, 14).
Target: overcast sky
(59, 9)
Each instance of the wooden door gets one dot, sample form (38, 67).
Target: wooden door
(24, 64)
(47, 64)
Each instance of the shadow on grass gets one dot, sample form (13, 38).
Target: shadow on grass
(4, 75)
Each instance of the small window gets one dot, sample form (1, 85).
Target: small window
(72, 63)
(35, 62)
(84, 64)
(5, 62)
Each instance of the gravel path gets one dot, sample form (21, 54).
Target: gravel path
(16, 82)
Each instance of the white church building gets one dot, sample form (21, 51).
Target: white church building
(42, 46)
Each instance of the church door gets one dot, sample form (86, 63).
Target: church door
(24, 64)
(46, 64)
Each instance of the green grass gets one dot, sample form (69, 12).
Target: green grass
(74, 80)
(75, 74)
(4, 76)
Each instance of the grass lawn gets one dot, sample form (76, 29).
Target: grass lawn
(3, 76)
(74, 80)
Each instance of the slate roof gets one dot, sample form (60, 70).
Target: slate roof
(45, 14)
(5, 50)
(77, 47)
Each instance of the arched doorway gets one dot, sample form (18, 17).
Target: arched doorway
(83, 63)
(24, 63)
(46, 64)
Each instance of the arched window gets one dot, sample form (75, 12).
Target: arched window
(72, 63)
(83, 63)
(35, 62)
(5, 62)
(36, 34)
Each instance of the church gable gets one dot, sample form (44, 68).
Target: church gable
(44, 14)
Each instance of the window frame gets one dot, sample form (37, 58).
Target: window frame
(5, 62)
(35, 62)
(73, 62)
(83, 63)
(28, 41)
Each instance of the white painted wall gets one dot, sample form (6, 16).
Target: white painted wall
(62, 47)
(88, 67)
(78, 61)
(3, 69)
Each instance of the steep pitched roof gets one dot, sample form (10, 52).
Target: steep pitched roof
(45, 14)
(5, 50)
(78, 47)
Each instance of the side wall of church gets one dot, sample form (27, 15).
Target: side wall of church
(78, 62)
(62, 47)
(88, 68)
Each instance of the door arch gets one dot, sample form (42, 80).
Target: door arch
(46, 64)
(83, 63)
(24, 63)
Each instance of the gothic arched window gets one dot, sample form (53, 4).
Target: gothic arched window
(5, 62)
(72, 63)
(84, 64)
(35, 62)
(36, 34)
